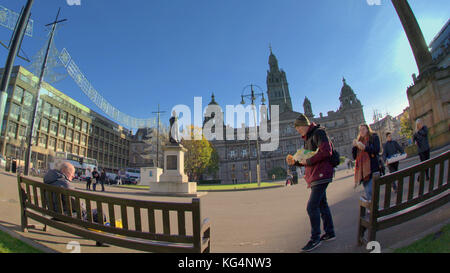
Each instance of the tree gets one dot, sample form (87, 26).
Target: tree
(199, 158)
(406, 129)
(279, 172)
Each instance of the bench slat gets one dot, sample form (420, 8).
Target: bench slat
(181, 222)
(112, 215)
(99, 212)
(68, 204)
(124, 214)
(36, 198)
(421, 182)
(88, 210)
(432, 177)
(387, 196)
(166, 221)
(151, 220)
(399, 191)
(137, 219)
(78, 207)
(411, 186)
(441, 174)
(28, 191)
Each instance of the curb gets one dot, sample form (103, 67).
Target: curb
(417, 237)
(27, 240)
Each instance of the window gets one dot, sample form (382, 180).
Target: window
(15, 111)
(82, 151)
(55, 113)
(69, 135)
(52, 143)
(53, 128)
(84, 127)
(44, 125)
(244, 153)
(68, 147)
(25, 117)
(18, 94)
(63, 117)
(43, 141)
(83, 140)
(60, 146)
(47, 108)
(22, 132)
(76, 149)
(62, 131)
(76, 137)
(70, 120)
(12, 130)
(232, 154)
(27, 99)
(78, 124)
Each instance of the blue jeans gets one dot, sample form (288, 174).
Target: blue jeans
(317, 208)
(368, 189)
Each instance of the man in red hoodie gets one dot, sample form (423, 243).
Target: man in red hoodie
(318, 174)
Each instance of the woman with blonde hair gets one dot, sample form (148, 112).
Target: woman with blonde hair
(366, 150)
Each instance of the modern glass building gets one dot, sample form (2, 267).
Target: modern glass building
(62, 125)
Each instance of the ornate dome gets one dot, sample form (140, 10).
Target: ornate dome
(346, 90)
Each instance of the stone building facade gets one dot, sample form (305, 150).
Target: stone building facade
(429, 95)
(238, 158)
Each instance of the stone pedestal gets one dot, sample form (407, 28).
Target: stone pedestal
(173, 181)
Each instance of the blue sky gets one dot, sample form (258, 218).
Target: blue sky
(141, 53)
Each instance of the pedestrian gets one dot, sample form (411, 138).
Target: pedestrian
(366, 149)
(318, 174)
(88, 174)
(103, 179)
(390, 148)
(421, 140)
(95, 178)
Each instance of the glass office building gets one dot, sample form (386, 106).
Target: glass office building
(62, 125)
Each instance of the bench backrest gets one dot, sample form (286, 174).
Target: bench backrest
(172, 224)
(411, 195)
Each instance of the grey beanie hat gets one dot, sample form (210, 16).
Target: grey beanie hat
(301, 120)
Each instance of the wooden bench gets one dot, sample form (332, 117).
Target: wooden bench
(411, 200)
(151, 228)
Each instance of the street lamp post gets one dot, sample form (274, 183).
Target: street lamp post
(252, 97)
(36, 99)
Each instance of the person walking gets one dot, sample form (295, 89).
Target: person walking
(318, 174)
(95, 178)
(88, 174)
(103, 179)
(390, 148)
(421, 140)
(366, 149)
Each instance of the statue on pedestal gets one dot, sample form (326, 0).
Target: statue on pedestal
(174, 135)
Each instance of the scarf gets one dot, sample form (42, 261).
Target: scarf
(362, 166)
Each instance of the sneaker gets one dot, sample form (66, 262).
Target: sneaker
(311, 245)
(328, 237)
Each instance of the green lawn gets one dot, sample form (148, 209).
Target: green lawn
(216, 187)
(438, 242)
(10, 244)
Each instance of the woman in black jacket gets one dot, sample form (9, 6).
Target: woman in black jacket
(366, 149)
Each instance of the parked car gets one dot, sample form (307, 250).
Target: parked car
(129, 181)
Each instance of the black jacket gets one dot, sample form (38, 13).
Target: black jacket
(421, 137)
(58, 179)
(391, 148)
